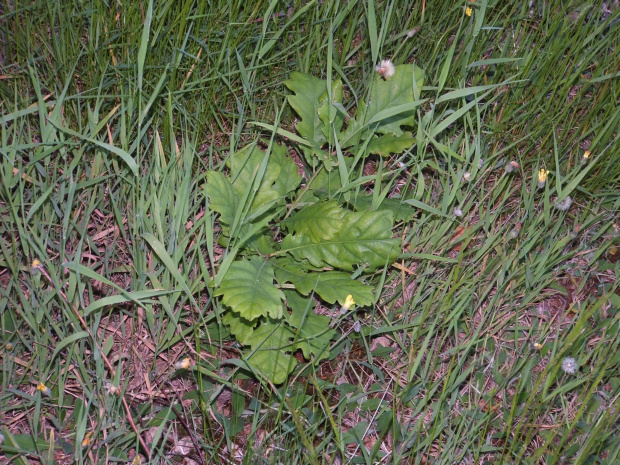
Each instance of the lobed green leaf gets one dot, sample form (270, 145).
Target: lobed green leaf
(362, 238)
(248, 289)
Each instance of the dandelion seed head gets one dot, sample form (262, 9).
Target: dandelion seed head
(569, 365)
(386, 69)
(113, 390)
(564, 204)
(510, 167)
(457, 212)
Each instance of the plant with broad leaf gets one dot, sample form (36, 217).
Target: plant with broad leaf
(284, 257)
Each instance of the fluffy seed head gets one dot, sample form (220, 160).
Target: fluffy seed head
(564, 204)
(510, 167)
(569, 365)
(386, 69)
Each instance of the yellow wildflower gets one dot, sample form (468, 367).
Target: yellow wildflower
(468, 11)
(542, 177)
(87, 439)
(585, 157)
(184, 364)
(44, 389)
(348, 303)
(36, 266)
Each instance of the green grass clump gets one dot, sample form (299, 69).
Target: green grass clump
(112, 341)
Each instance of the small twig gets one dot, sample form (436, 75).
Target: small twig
(143, 444)
(199, 450)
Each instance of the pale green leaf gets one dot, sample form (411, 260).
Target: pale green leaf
(389, 143)
(280, 177)
(332, 115)
(364, 238)
(385, 94)
(313, 332)
(248, 289)
(331, 286)
(321, 220)
(238, 326)
(401, 210)
(271, 344)
(306, 102)
(222, 197)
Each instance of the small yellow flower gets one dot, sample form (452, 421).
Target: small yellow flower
(87, 439)
(468, 11)
(537, 346)
(542, 177)
(9, 346)
(36, 266)
(348, 303)
(184, 364)
(585, 157)
(44, 389)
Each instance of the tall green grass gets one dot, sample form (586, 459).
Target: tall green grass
(111, 116)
